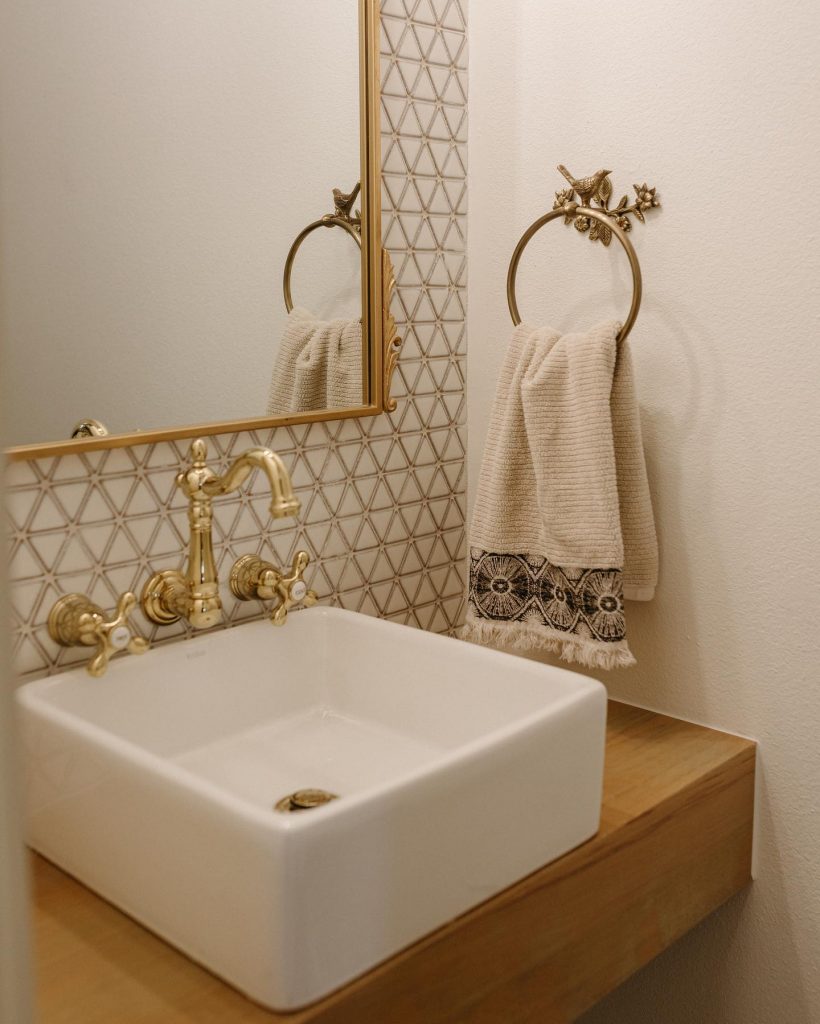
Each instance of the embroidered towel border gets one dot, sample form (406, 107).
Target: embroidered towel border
(523, 602)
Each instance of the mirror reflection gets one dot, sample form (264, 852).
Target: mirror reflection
(161, 160)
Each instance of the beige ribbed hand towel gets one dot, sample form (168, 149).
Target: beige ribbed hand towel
(318, 366)
(562, 529)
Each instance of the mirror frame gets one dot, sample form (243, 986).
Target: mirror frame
(379, 335)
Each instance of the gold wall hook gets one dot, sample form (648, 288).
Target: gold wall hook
(76, 621)
(254, 578)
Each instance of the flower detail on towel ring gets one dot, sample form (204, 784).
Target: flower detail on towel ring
(602, 599)
(501, 586)
(569, 199)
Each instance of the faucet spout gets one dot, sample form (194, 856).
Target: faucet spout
(194, 593)
(283, 501)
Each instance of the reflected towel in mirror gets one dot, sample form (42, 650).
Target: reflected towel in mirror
(318, 366)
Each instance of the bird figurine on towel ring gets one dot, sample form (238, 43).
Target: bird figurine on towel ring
(343, 201)
(596, 186)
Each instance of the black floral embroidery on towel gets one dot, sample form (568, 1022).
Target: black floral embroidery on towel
(602, 598)
(501, 585)
(558, 600)
(519, 588)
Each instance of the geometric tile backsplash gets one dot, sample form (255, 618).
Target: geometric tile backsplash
(383, 498)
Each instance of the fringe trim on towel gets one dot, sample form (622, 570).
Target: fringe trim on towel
(526, 602)
(529, 636)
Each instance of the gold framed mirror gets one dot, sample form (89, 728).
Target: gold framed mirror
(302, 33)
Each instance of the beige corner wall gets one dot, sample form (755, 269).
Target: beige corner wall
(15, 994)
(716, 104)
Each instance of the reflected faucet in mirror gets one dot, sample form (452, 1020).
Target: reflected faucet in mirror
(193, 595)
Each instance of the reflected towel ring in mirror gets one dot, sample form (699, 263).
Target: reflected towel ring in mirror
(571, 211)
(341, 217)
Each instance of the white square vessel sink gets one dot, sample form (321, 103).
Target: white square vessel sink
(458, 771)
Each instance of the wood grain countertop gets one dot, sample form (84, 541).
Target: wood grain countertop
(675, 842)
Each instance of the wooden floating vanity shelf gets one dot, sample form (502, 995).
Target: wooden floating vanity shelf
(675, 843)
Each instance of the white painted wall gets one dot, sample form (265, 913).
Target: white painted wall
(716, 104)
(158, 160)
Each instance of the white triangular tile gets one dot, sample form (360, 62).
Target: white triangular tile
(438, 52)
(21, 474)
(424, 545)
(408, 50)
(46, 514)
(25, 597)
(74, 555)
(70, 497)
(98, 539)
(164, 542)
(96, 509)
(453, 17)
(23, 565)
(453, 608)
(440, 152)
(455, 43)
(426, 591)
(393, 30)
(69, 467)
(424, 12)
(368, 536)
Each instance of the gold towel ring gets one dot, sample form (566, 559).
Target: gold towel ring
(329, 220)
(573, 210)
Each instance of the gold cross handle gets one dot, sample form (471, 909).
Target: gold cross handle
(253, 578)
(76, 621)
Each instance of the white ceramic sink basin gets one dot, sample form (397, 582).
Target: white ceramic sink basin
(458, 771)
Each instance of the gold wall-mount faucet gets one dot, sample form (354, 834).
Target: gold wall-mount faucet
(193, 595)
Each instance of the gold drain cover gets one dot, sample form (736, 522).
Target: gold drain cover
(304, 800)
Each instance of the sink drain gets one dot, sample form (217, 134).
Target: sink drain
(304, 800)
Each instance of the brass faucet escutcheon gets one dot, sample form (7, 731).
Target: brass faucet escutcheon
(253, 578)
(193, 595)
(76, 621)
